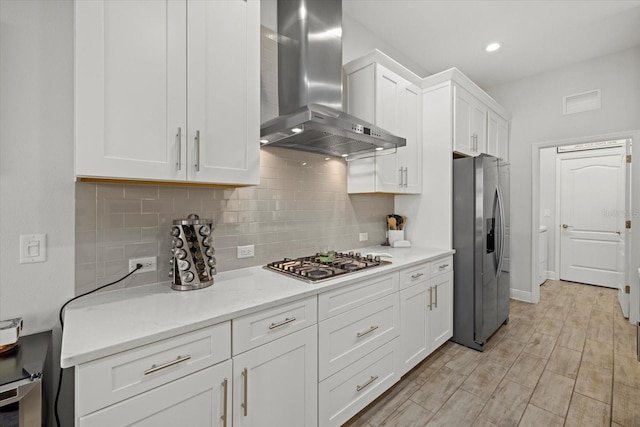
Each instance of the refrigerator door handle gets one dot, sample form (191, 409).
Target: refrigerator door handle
(502, 230)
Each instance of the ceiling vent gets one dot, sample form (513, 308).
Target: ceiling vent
(581, 102)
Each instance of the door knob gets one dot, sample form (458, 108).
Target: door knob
(565, 225)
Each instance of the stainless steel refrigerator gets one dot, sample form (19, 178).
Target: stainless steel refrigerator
(481, 240)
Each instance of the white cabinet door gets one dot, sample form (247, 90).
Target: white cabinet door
(157, 99)
(441, 311)
(393, 103)
(130, 94)
(196, 400)
(415, 343)
(223, 53)
(497, 136)
(469, 123)
(410, 127)
(276, 384)
(389, 88)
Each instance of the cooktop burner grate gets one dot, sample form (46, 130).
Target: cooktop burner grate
(311, 269)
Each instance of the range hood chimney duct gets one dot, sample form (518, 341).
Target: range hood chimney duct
(310, 86)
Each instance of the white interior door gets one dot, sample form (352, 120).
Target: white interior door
(592, 219)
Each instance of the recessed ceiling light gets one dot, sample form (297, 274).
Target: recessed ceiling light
(296, 130)
(492, 47)
(379, 148)
(264, 141)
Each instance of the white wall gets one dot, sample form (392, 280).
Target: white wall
(548, 202)
(36, 159)
(357, 41)
(536, 106)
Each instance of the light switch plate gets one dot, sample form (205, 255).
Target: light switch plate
(33, 248)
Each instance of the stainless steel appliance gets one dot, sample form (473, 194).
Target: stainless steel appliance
(21, 375)
(310, 86)
(193, 263)
(312, 269)
(481, 240)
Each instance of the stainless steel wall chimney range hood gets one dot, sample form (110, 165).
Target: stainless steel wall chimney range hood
(310, 86)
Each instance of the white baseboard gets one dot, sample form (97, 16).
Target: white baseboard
(520, 295)
(553, 275)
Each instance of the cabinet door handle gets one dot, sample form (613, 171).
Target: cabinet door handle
(197, 144)
(155, 368)
(225, 385)
(430, 298)
(415, 276)
(284, 322)
(179, 147)
(443, 266)
(436, 303)
(406, 176)
(368, 331)
(365, 385)
(245, 376)
(401, 177)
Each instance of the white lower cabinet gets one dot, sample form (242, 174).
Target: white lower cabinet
(202, 399)
(345, 393)
(183, 380)
(426, 312)
(275, 384)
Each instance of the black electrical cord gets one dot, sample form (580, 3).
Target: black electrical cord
(55, 407)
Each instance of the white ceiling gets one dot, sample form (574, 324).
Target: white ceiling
(536, 36)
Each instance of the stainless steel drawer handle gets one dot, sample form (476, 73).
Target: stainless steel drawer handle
(284, 322)
(179, 147)
(225, 387)
(365, 385)
(430, 299)
(368, 331)
(415, 276)
(443, 266)
(155, 368)
(245, 376)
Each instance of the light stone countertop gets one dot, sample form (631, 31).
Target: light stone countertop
(106, 323)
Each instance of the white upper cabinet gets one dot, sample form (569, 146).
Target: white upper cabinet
(497, 136)
(157, 99)
(384, 98)
(470, 123)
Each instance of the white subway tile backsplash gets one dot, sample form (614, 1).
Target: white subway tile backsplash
(293, 212)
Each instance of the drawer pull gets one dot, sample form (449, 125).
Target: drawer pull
(284, 322)
(245, 377)
(225, 385)
(415, 276)
(430, 298)
(443, 266)
(365, 385)
(155, 368)
(368, 331)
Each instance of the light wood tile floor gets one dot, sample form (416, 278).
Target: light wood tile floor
(568, 361)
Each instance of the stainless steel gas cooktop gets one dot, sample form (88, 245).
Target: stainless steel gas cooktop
(315, 268)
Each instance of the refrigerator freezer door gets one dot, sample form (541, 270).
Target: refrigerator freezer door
(504, 278)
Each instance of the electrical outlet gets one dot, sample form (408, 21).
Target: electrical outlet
(148, 264)
(246, 251)
(364, 237)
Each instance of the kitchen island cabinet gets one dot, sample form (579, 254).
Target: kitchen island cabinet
(161, 94)
(384, 97)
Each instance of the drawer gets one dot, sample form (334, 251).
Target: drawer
(345, 338)
(115, 378)
(259, 328)
(414, 275)
(344, 394)
(442, 265)
(344, 299)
